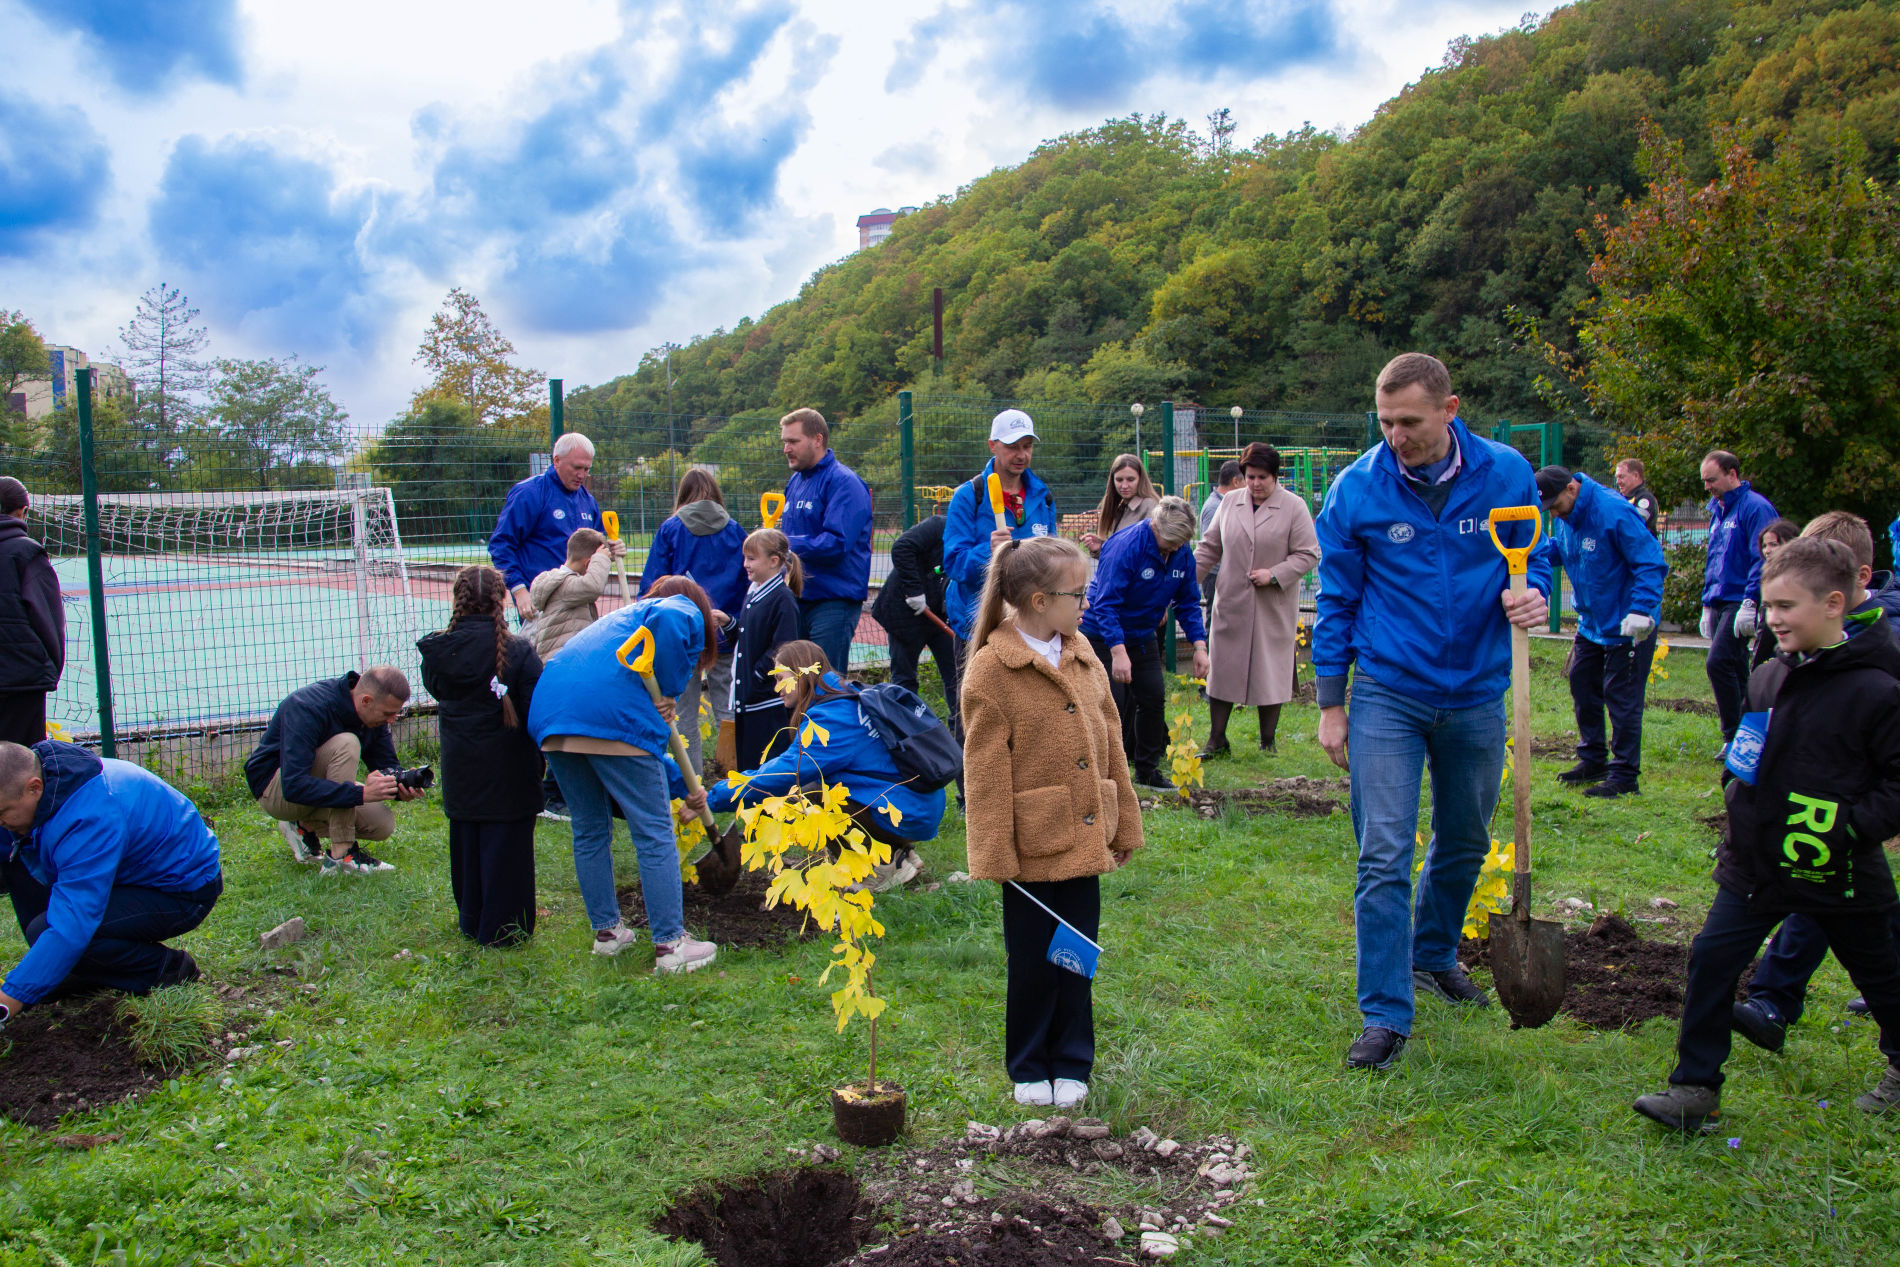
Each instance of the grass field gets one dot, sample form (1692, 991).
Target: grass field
(542, 1106)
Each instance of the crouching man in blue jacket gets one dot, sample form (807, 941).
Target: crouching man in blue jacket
(1414, 600)
(104, 861)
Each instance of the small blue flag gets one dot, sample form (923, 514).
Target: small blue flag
(1071, 950)
(1743, 757)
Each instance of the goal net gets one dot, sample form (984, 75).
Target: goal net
(217, 605)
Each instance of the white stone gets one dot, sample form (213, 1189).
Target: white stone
(1142, 1137)
(1167, 1148)
(1159, 1245)
(1112, 1228)
(290, 930)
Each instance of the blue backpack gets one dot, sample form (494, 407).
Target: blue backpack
(922, 747)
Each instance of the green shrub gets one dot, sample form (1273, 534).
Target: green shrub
(1682, 592)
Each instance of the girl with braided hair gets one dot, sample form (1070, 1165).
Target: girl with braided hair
(483, 680)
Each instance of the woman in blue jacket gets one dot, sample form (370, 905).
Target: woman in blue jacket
(605, 739)
(849, 755)
(702, 542)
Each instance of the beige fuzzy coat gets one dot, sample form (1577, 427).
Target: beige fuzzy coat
(565, 600)
(1048, 787)
(1250, 641)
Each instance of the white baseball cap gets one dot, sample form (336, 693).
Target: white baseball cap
(1012, 425)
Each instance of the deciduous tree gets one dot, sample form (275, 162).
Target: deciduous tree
(274, 413)
(469, 360)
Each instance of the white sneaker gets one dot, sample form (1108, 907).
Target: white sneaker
(894, 875)
(1067, 1093)
(684, 955)
(305, 847)
(1034, 1093)
(611, 941)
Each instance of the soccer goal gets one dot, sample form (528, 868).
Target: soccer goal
(219, 604)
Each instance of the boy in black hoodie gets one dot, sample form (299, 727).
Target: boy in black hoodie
(1814, 790)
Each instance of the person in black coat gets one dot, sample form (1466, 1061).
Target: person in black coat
(32, 623)
(483, 680)
(914, 587)
(767, 620)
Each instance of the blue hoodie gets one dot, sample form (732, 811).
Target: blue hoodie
(1735, 522)
(851, 755)
(537, 519)
(586, 691)
(966, 540)
(100, 823)
(1133, 587)
(1615, 566)
(715, 558)
(828, 521)
(1412, 599)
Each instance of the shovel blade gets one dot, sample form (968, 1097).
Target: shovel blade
(1527, 966)
(719, 870)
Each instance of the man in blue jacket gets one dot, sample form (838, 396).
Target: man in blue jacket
(1737, 514)
(541, 513)
(969, 528)
(103, 862)
(828, 521)
(1415, 598)
(1617, 571)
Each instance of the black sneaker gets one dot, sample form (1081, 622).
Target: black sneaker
(366, 861)
(1451, 985)
(1758, 1023)
(1375, 1048)
(1154, 779)
(1583, 772)
(1859, 1007)
(1213, 750)
(1611, 788)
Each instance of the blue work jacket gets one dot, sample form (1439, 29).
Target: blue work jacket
(1736, 519)
(537, 519)
(828, 521)
(966, 540)
(1616, 568)
(1133, 587)
(586, 691)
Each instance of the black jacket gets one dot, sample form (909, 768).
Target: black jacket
(769, 617)
(32, 622)
(916, 568)
(1808, 835)
(490, 773)
(1646, 506)
(308, 718)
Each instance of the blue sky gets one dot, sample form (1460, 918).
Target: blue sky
(606, 175)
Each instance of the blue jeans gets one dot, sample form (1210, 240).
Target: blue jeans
(1390, 740)
(593, 785)
(830, 622)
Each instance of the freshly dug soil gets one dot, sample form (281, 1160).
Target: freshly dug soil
(68, 1057)
(1678, 704)
(1614, 977)
(1298, 796)
(737, 919)
(789, 1218)
(1553, 745)
(1035, 1235)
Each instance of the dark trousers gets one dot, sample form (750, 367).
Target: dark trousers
(1730, 937)
(1793, 956)
(1142, 702)
(491, 872)
(1049, 1013)
(1616, 678)
(126, 951)
(23, 717)
(944, 650)
(763, 730)
(830, 622)
(1728, 669)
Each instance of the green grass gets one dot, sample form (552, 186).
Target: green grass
(540, 1106)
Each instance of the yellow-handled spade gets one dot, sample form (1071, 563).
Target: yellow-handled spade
(996, 500)
(610, 524)
(1527, 955)
(771, 506)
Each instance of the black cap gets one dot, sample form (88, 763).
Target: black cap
(1552, 480)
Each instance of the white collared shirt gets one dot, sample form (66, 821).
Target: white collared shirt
(1050, 650)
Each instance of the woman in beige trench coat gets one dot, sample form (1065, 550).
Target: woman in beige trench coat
(1262, 541)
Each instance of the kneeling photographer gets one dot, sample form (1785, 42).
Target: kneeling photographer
(303, 771)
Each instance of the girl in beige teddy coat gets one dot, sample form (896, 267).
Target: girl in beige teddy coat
(1050, 802)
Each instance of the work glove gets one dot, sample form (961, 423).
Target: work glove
(1745, 621)
(1636, 626)
(1707, 627)
(917, 603)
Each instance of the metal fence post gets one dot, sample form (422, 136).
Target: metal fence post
(1167, 486)
(555, 419)
(907, 455)
(1372, 436)
(95, 570)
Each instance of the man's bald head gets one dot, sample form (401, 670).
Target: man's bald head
(20, 786)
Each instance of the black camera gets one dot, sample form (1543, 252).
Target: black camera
(420, 779)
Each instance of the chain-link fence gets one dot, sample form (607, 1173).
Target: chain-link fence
(232, 569)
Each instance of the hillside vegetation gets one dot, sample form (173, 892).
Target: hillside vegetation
(1137, 261)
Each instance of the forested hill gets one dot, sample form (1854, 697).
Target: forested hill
(1136, 261)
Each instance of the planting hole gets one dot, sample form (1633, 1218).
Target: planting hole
(790, 1218)
(69, 1057)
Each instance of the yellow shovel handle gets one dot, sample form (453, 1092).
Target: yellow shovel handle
(610, 524)
(641, 662)
(996, 499)
(1516, 558)
(771, 506)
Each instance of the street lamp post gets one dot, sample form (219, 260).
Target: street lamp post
(1236, 411)
(1135, 409)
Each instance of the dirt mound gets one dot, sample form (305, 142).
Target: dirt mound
(1614, 977)
(1298, 796)
(790, 1218)
(1553, 745)
(68, 1057)
(1036, 1235)
(1679, 704)
(737, 919)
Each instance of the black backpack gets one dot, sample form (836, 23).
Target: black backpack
(925, 752)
